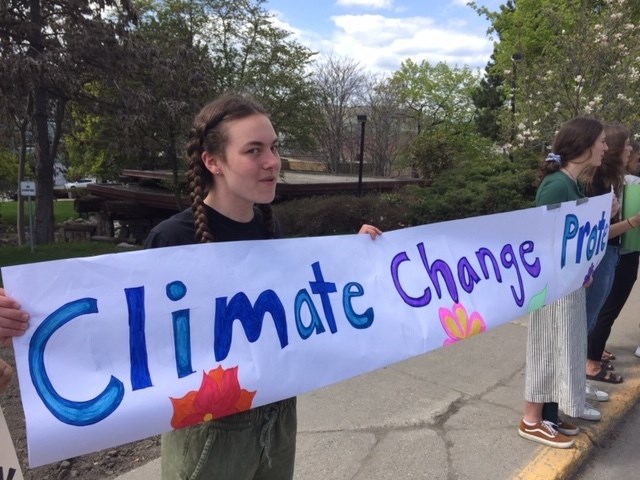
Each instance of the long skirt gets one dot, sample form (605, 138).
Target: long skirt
(557, 354)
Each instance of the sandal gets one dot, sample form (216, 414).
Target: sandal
(606, 376)
(607, 366)
(607, 356)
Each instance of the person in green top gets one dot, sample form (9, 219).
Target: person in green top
(558, 186)
(557, 340)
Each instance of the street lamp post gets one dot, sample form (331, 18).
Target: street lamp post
(362, 119)
(515, 59)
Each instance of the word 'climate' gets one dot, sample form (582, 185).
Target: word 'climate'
(227, 311)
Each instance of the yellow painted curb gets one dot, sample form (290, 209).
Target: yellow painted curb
(557, 464)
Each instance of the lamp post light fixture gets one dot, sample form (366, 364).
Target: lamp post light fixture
(515, 59)
(363, 120)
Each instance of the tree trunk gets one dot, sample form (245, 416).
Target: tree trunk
(172, 155)
(21, 166)
(23, 126)
(44, 223)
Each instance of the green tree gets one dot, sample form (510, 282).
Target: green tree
(183, 54)
(142, 118)
(8, 172)
(54, 48)
(251, 53)
(489, 100)
(438, 105)
(579, 58)
(479, 182)
(16, 106)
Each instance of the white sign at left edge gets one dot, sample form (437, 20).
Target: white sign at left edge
(9, 465)
(28, 189)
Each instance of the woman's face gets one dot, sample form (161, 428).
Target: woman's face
(597, 150)
(249, 171)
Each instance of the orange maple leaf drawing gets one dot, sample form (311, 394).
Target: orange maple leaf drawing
(219, 395)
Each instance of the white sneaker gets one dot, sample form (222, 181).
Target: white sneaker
(590, 413)
(596, 395)
(638, 351)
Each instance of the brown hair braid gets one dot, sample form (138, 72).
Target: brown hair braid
(208, 134)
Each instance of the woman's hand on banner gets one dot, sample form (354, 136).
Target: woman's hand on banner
(370, 230)
(13, 321)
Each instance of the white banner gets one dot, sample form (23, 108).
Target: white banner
(9, 465)
(122, 347)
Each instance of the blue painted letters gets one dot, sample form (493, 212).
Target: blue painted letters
(227, 311)
(67, 411)
(596, 237)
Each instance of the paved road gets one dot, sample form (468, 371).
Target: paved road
(616, 454)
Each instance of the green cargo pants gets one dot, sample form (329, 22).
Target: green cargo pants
(259, 444)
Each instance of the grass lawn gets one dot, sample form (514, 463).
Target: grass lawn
(11, 255)
(62, 208)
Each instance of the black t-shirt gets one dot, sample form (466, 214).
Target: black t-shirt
(180, 229)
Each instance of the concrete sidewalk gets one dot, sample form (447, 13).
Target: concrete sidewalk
(452, 413)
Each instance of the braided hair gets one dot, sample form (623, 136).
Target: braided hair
(209, 133)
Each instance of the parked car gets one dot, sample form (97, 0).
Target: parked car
(73, 187)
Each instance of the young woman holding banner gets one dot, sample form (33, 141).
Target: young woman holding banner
(233, 167)
(556, 344)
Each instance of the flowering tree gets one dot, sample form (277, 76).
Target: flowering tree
(578, 57)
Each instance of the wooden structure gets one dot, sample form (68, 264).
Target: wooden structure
(128, 210)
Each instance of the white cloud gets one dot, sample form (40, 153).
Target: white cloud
(308, 38)
(381, 43)
(373, 4)
(281, 21)
(375, 40)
